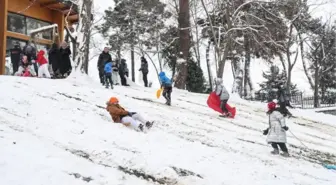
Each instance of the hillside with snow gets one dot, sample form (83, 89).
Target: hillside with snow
(58, 132)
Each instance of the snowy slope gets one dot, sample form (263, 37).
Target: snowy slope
(58, 132)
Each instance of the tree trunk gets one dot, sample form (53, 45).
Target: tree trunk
(283, 64)
(83, 36)
(197, 47)
(316, 88)
(184, 26)
(208, 63)
(238, 76)
(310, 80)
(247, 76)
(132, 63)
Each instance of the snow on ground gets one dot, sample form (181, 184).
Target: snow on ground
(58, 132)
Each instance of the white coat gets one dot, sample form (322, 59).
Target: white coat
(276, 134)
(221, 90)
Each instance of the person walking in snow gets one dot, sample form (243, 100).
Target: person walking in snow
(283, 100)
(54, 57)
(43, 65)
(104, 58)
(65, 63)
(144, 70)
(108, 74)
(224, 96)
(129, 119)
(166, 84)
(115, 73)
(25, 69)
(15, 54)
(276, 132)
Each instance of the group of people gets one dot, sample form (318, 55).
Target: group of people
(29, 62)
(110, 71)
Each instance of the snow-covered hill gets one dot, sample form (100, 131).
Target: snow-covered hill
(58, 132)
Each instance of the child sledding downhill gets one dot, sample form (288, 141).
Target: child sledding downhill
(129, 119)
(224, 96)
(166, 84)
(276, 132)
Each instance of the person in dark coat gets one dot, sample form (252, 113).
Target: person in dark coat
(144, 70)
(15, 54)
(30, 51)
(54, 56)
(103, 59)
(65, 64)
(122, 72)
(283, 100)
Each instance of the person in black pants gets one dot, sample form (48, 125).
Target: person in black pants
(104, 58)
(122, 72)
(144, 70)
(15, 54)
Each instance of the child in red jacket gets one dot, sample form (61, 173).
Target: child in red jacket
(43, 63)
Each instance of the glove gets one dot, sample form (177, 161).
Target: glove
(131, 113)
(265, 132)
(285, 128)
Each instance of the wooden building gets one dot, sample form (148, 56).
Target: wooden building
(19, 17)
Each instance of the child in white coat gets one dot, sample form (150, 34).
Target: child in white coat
(276, 132)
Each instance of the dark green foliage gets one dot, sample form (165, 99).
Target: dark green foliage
(195, 78)
(273, 80)
(134, 23)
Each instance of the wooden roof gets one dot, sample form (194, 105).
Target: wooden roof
(69, 9)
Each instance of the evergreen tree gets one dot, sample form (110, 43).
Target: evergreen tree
(195, 79)
(269, 88)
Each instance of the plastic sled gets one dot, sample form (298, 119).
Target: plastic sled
(26, 74)
(158, 93)
(214, 103)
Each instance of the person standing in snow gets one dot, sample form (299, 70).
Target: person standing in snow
(276, 132)
(15, 54)
(43, 63)
(30, 51)
(108, 74)
(54, 57)
(144, 70)
(104, 58)
(115, 73)
(65, 63)
(283, 100)
(167, 86)
(123, 70)
(129, 119)
(223, 95)
(25, 68)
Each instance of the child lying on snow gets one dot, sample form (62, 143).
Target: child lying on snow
(120, 115)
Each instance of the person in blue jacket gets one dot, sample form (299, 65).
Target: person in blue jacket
(108, 74)
(166, 84)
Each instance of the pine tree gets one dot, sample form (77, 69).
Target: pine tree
(274, 78)
(195, 79)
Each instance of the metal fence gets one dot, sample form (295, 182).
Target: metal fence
(299, 100)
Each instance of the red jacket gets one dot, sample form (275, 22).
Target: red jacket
(40, 58)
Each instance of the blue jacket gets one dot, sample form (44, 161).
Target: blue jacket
(165, 81)
(108, 67)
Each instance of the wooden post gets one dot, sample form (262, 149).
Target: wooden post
(3, 37)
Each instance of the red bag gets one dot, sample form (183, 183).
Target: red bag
(26, 73)
(214, 103)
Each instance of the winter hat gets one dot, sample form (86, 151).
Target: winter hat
(218, 81)
(114, 100)
(271, 105)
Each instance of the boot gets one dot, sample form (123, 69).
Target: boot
(285, 154)
(275, 152)
(141, 127)
(149, 124)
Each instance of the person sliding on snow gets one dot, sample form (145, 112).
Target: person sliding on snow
(166, 84)
(129, 119)
(276, 132)
(224, 96)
